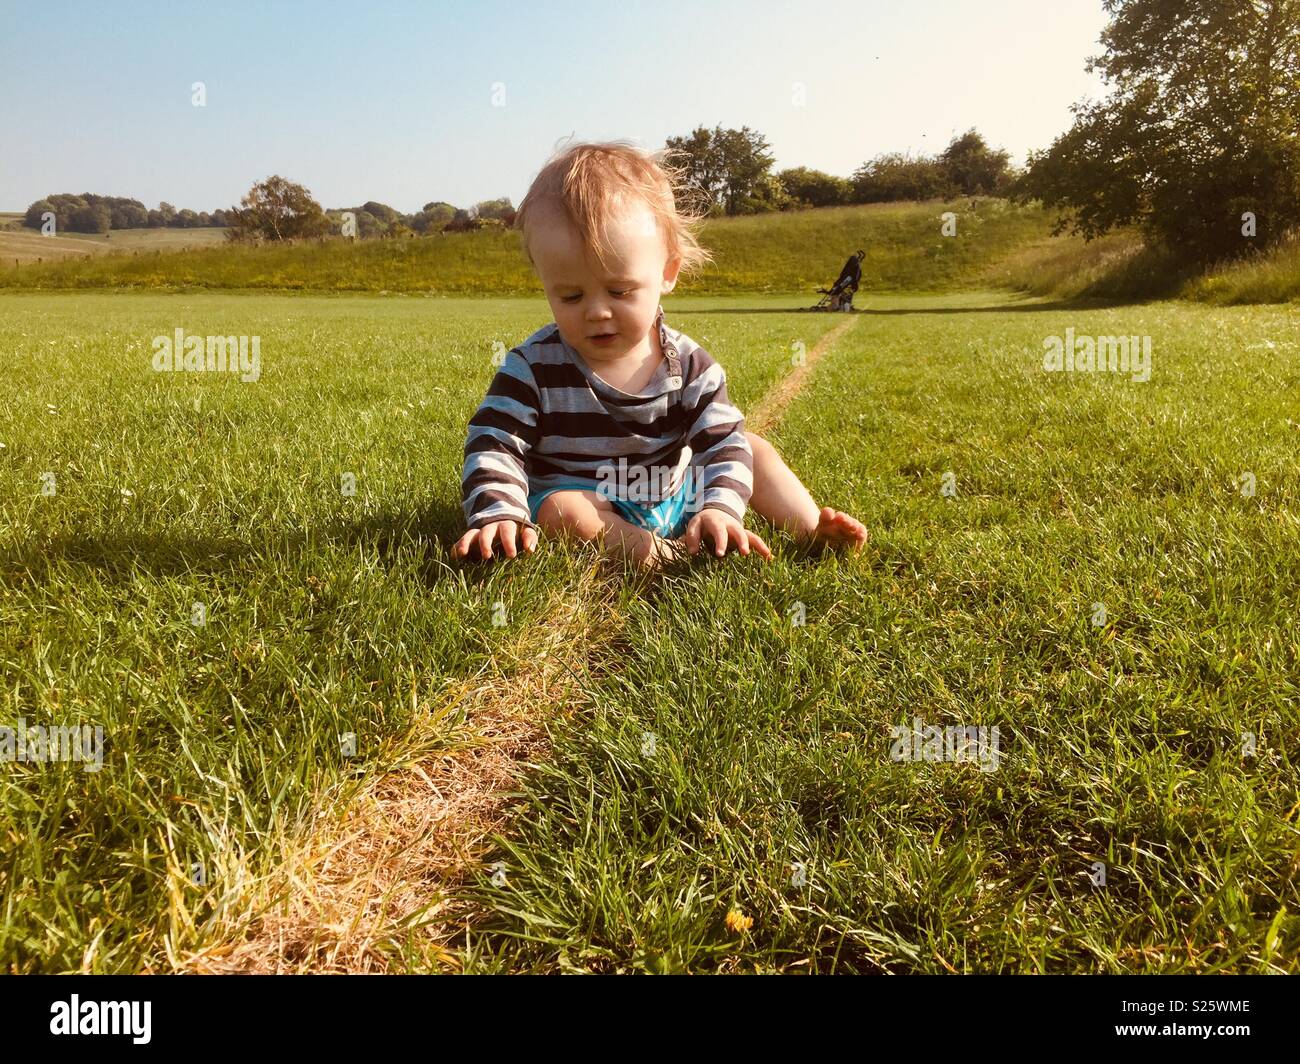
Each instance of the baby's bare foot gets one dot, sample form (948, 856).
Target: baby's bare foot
(838, 529)
(654, 551)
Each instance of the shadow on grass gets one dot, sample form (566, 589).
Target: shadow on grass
(1029, 304)
(430, 529)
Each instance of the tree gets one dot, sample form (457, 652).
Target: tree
(96, 218)
(433, 217)
(974, 168)
(462, 222)
(500, 210)
(33, 220)
(131, 215)
(381, 212)
(767, 194)
(1201, 128)
(900, 176)
(727, 167)
(277, 209)
(815, 188)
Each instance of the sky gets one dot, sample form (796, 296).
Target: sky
(409, 102)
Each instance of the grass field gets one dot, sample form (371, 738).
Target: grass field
(27, 247)
(1118, 266)
(785, 252)
(717, 791)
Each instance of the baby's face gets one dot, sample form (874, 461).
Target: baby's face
(620, 299)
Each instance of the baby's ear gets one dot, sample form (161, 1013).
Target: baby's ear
(671, 269)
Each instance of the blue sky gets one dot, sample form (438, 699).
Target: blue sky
(394, 101)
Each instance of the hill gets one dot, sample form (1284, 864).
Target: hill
(996, 243)
(792, 251)
(1119, 266)
(22, 246)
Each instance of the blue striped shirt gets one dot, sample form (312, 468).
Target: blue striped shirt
(549, 421)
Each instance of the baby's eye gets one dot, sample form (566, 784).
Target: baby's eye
(625, 292)
(569, 299)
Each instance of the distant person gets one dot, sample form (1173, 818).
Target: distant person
(846, 285)
(852, 272)
(607, 425)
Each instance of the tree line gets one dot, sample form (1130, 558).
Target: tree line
(732, 169)
(89, 213)
(273, 209)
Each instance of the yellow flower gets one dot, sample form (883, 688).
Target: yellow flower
(738, 923)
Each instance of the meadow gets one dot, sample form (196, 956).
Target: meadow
(27, 247)
(710, 786)
(775, 253)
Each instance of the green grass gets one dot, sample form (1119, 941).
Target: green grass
(326, 614)
(1119, 743)
(1117, 266)
(781, 252)
(1269, 278)
(996, 244)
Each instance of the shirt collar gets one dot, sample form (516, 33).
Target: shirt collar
(669, 349)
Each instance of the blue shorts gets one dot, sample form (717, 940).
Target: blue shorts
(668, 518)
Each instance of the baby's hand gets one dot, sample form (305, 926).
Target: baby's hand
(478, 541)
(722, 530)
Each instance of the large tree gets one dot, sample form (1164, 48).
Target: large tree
(728, 167)
(973, 167)
(901, 176)
(1201, 127)
(816, 188)
(277, 209)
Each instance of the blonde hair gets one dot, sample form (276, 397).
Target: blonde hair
(591, 183)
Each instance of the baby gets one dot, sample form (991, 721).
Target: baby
(606, 424)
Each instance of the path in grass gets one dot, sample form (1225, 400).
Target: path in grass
(769, 796)
(259, 647)
(378, 888)
(1100, 586)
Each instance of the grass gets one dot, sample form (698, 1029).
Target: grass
(996, 244)
(785, 252)
(1118, 266)
(1120, 742)
(326, 614)
(20, 246)
(1271, 278)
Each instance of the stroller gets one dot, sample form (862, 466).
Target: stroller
(840, 295)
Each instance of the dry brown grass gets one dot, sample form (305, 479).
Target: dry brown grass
(364, 891)
(21, 246)
(375, 886)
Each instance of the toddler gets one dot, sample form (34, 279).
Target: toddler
(606, 424)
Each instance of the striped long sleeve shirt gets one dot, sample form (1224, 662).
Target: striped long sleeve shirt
(548, 421)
